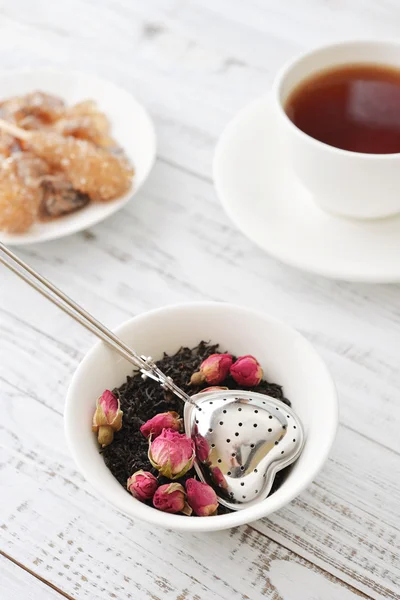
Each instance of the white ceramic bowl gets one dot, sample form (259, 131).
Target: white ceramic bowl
(131, 127)
(286, 357)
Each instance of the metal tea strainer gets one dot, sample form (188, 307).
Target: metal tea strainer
(249, 437)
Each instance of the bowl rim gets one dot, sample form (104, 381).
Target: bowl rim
(219, 522)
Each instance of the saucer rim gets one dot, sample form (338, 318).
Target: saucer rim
(335, 272)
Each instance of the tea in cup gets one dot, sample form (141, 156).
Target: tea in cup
(339, 119)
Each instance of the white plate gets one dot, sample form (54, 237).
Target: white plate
(275, 211)
(131, 126)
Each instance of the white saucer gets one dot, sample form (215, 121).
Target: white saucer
(275, 211)
(131, 126)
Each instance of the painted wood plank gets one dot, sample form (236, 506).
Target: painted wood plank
(293, 582)
(347, 522)
(73, 538)
(18, 584)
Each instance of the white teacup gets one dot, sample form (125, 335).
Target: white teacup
(349, 184)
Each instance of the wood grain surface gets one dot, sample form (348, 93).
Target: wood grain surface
(193, 64)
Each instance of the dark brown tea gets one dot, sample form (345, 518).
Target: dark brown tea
(353, 107)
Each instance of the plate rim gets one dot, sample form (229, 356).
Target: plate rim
(27, 238)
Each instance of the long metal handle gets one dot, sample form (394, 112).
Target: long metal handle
(146, 365)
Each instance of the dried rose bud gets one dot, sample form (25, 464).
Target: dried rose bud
(107, 418)
(142, 485)
(213, 370)
(171, 498)
(218, 477)
(172, 453)
(202, 448)
(201, 497)
(166, 420)
(214, 388)
(247, 371)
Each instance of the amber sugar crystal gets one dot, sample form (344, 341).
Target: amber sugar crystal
(91, 170)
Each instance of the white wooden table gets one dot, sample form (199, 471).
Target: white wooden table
(193, 64)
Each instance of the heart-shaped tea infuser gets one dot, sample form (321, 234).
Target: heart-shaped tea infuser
(249, 436)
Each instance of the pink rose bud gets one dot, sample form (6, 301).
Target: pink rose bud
(214, 388)
(172, 453)
(218, 477)
(247, 371)
(201, 497)
(171, 498)
(142, 485)
(107, 418)
(213, 370)
(202, 448)
(166, 420)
